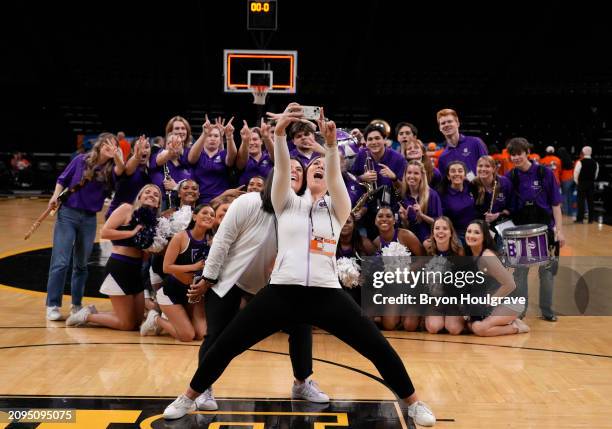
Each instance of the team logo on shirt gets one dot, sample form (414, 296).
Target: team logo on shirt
(199, 254)
(466, 151)
(217, 159)
(264, 162)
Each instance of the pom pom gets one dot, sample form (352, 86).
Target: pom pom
(180, 220)
(395, 256)
(146, 217)
(348, 272)
(437, 264)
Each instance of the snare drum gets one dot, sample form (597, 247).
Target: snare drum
(526, 245)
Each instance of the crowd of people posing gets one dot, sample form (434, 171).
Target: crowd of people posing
(242, 226)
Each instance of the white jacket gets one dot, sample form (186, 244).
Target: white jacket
(243, 248)
(295, 264)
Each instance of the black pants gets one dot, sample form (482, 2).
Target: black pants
(585, 192)
(279, 306)
(221, 311)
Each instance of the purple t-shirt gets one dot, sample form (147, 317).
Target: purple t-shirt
(434, 210)
(436, 178)
(353, 187)
(468, 150)
(211, 174)
(90, 197)
(178, 172)
(545, 192)
(305, 160)
(127, 188)
(256, 168)
(459, 207)
(503, 199)
(396, 162)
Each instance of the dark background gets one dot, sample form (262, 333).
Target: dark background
(508, 69)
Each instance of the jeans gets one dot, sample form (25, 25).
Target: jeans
(73, 235)
(567, 189)
(546, 286)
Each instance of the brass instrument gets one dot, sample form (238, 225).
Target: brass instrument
(371, 191)
(383, 125)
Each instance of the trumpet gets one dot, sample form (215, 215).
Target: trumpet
(369, 166)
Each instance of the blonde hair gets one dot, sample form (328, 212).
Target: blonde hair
(480, 186)
(170, 127)
(137, 204)
(423, 185)
(91, 162)
(425, 159)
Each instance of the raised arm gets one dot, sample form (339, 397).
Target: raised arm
(228, 129)
(267, 139)
(132, 164)
(198, 146)
(243, 151)
(341, 202)
(281, 183)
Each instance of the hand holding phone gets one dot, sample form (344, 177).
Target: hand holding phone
(312, 113)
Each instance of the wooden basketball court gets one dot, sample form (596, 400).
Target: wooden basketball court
(557, 376)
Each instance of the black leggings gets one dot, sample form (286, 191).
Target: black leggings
(277, 306)
(221, 311)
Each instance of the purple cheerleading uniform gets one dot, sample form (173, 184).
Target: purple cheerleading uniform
(211, 174)
(434, 210)
(256, 168)
(127, 188)
(90, 198)
(396, 162)
(468, 150)
(459, 207)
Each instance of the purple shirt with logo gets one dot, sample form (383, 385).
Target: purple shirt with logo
(90, 197)
(353, 187)
(256, 168)
(502, 201)
(434, 210)
(178, 172)
(305, 160)
(396, 162)
(127, 188)
(211, 174)
(544, 191)
(468, 150)
(459, 207)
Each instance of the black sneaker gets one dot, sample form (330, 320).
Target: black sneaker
(551, 318)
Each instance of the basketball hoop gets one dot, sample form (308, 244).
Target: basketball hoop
(259, 94)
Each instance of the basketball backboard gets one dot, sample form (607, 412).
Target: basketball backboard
(244, 68)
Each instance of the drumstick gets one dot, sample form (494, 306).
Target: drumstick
(49, 211)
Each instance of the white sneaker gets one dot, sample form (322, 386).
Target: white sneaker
(80, 318)
(53, 313)
(75, 308)
(206, 401)
(421, 414)
(181, 406)
(309, 391)
(149, 326)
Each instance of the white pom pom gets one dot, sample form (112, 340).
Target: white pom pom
(395, 249)
(159, 244)
(348, 271)
(180, 219)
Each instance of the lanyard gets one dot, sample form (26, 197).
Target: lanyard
(328, 214)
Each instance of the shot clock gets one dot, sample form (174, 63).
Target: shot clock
(261, 15)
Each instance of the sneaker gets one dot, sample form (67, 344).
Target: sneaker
(53, 313)
(309, 391)
(149, 326)
(550, 318)
(80, 318)
(181, 406)
(421, 414)
(75, 308)
(521, 326)
(206, 401)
